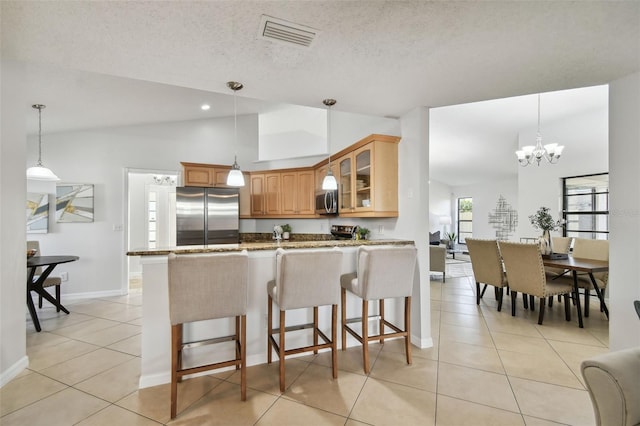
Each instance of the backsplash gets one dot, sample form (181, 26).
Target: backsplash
(252, 237)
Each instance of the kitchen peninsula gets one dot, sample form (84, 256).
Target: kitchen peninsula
(155, 356)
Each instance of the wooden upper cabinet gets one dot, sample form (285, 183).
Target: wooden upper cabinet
(368, 181)
(298, 194)
(245, 197)
(272, 194)
(210, 175)
(258, 191)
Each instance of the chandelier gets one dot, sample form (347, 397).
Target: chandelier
(533, 154)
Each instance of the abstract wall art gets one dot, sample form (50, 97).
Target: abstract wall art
(504, 219)
(74, 203)
(37, 213)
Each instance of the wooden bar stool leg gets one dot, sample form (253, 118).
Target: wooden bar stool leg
(407, 328)
(238, 348)
(315, 328)
(179, 348)
(281, 351)
(365, 335)
(175, 333)
(343, 314)
(334, 341)
(243, 357)
(269, 327)
(381, 302)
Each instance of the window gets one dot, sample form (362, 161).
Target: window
(465, 219)
(585, 206)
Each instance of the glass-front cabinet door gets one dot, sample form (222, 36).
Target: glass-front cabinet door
(344, 186)
(363, 171)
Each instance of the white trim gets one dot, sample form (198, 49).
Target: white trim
(421, 343)
(11, 372)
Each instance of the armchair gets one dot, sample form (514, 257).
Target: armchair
(437, 255)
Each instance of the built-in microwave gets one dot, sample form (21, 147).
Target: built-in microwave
(327, 202)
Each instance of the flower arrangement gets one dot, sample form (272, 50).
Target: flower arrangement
(286, 228)
(542, 220)
(363, 233)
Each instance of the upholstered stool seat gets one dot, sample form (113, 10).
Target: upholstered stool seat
(304, 279)
(205, 287)
(383, 272)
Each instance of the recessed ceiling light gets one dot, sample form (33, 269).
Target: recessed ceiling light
(205, 107)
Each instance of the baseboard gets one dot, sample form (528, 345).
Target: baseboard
(421, 343)
(11, 372)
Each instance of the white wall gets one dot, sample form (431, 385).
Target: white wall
(585, 138)
(485, 196)
(440, 205)
(13, 244)
(413, 222)
(624, 197)
(292, 132)
(100, 157)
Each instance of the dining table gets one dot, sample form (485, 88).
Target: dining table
(577, 265)
(35, 282)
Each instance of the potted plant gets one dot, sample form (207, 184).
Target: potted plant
(363, 233)
(286, 229)
(451, 239)
(543, 221)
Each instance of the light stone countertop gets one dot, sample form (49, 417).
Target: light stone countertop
(266, 245)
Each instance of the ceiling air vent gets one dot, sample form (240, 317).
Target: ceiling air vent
(282, 31)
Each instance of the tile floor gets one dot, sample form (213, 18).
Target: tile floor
(485, 367)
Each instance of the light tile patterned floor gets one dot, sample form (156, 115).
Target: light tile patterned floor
(486, 367)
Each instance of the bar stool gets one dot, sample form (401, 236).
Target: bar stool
(304, 279)
(383, 272)
(205, 287)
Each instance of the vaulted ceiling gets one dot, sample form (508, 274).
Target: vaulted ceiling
(155, 60)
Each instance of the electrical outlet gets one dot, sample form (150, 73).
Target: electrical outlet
(64, 276)
(381, 229)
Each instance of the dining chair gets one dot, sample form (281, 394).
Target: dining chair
(304, 279)
(206, 287)
(525, 272)
(383, 272)
(437, 260)
(487, 267)
(585, 248)
(49, 281)
(560, 245)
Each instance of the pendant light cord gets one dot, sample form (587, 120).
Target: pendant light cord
(235, 126)
(39, 135)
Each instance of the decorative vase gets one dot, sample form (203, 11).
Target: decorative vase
(546, 244)
(285, 235)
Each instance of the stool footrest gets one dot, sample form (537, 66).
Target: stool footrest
(207, 367)
(359, 319)
(275, 344)
(205, 342)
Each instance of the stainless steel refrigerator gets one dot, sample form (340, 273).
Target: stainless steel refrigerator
(206, 215)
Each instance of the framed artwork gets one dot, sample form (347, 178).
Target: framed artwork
(37, 213)
(74, 202)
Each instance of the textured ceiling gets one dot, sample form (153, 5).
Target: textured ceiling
(376, 57)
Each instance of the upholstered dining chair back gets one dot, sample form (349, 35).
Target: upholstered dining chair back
(35, 245)
(586, 248)
(306, 278)
(486, 262)
(523, 264)
(207, 286)
(385, 272)
(560, 245)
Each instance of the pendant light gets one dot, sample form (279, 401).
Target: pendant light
(39, 172)
(235, 177)
(329, 182)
